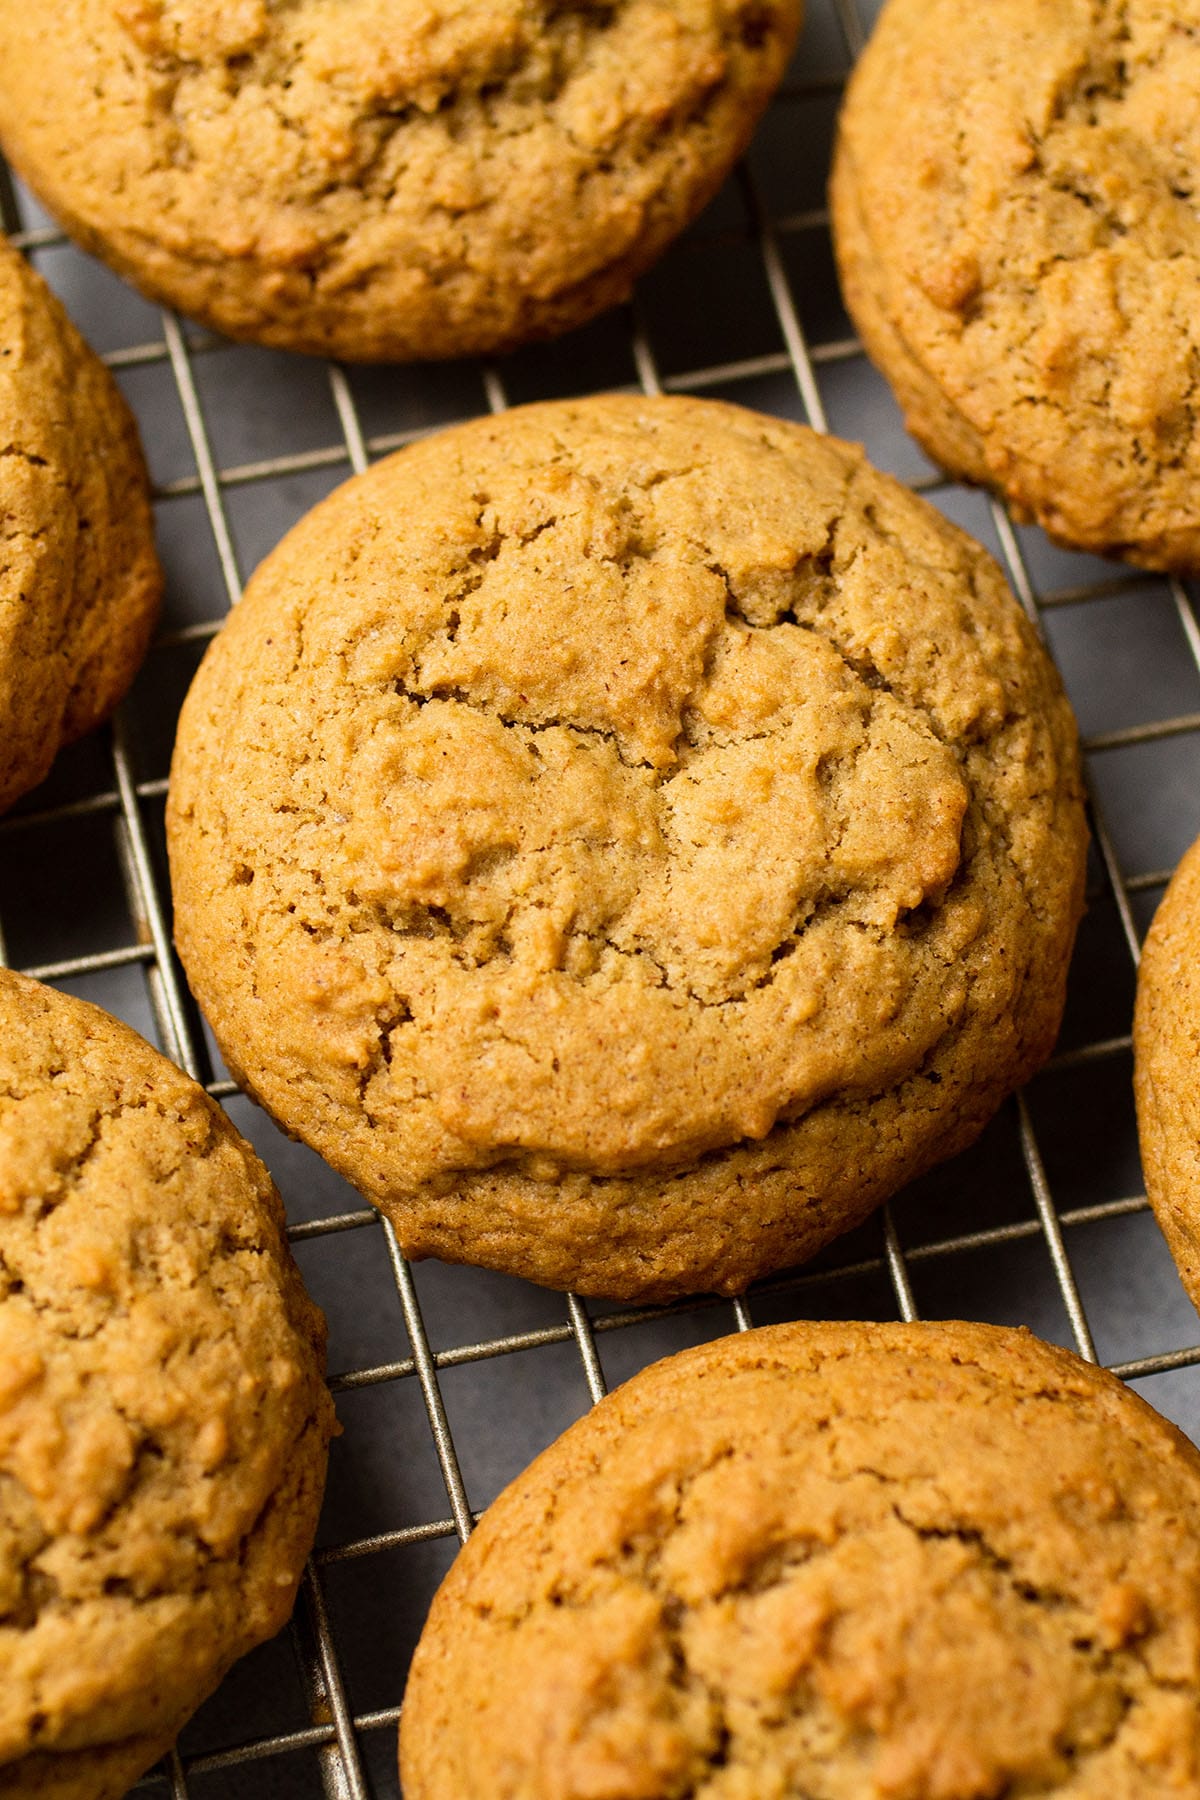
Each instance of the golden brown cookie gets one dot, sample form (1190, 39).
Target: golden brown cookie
(377, 179)
(628, 838)
(1166, 1043)
(844, 1562)
(1015, 205)
(80, 583)
(163, 1420)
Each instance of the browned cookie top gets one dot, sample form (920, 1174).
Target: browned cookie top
(79, 580)
(385, 178)
(588, 790)
(843, 1562)
(1016, 201)
(163, 1420)
(1166, 1044)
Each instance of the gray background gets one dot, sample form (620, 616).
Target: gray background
(450, 1380)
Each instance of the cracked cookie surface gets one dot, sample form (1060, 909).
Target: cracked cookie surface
(627, 838)
(1166, 1042)
(163, 1418)
(1022, 254)
(79, 582)
(385, 179)
(843, 1562)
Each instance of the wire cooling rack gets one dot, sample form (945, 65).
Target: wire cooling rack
(450, 1380)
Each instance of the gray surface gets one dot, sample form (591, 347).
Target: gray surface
(751, 313)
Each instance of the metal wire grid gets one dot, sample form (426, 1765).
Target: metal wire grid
(336, 1734)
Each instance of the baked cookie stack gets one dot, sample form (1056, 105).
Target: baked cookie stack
(829, 1560)
(1023, 265)
(1166, 1038)
(80, 582)
(629, 839)
(381, 180)
(163, 1421)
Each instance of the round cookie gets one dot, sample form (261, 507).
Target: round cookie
(382, 179)
(628, 838)
(163, 1419)
(932, 1562)
(1015, 211)
(1166, 1044)
(80, 584)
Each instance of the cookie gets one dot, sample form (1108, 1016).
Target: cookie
(909, 1561)
(628, 838)
(372, 179)
(1019, 244)
(1166, 1044)
(163, 1420)
(80, 583)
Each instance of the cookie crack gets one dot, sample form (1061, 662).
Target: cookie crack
(720, 1748)
(512, 89)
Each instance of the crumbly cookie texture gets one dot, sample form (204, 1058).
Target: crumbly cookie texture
(381, 179)
(628, 838)
(1021, 251)
(163, 1418)
(80, 582)
(849, 1562)
(1166, 1044)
